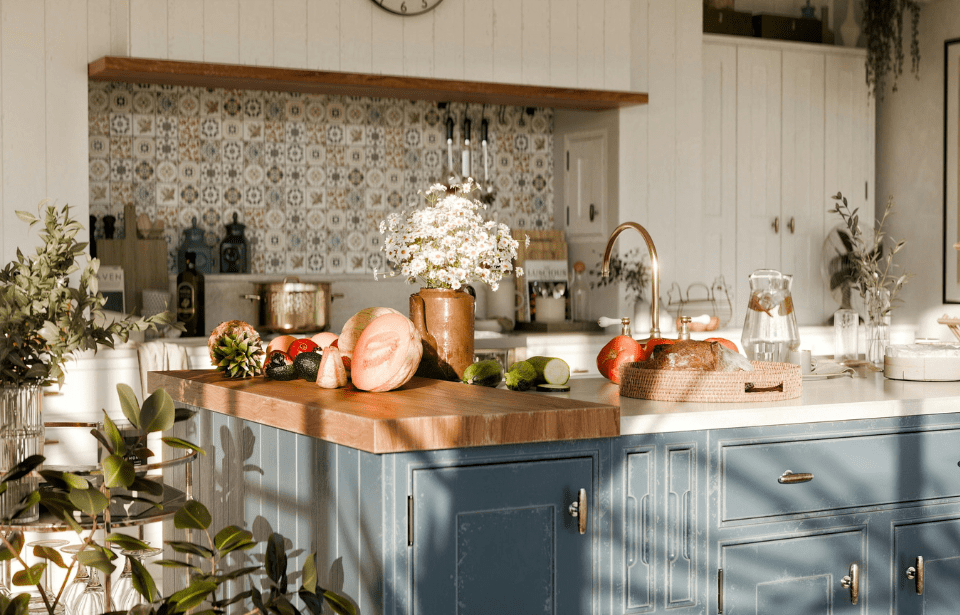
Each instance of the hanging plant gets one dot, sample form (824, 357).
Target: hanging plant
(883, 31)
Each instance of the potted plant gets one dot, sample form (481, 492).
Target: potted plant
(883, 23)
(50, 310)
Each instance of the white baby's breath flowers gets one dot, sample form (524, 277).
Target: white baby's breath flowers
(447, 244)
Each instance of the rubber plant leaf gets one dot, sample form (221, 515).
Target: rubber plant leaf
(157, 412)
(192, 516)
(129, 404)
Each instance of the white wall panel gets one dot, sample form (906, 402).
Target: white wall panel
(688, 123)
(563, 43)
(256, 21)
(221, 31)
(120, 27)
(98, 29)
(450, 34)
(355, 33)
(590, 44)
(323, 34)
(148, 29)
(386, 44)
(418, 44)
(616, 41)
(290, 33)
(185, 30)
(66, 105)
(507, 46)
(536, 42)
(24, 144)
(478, 46)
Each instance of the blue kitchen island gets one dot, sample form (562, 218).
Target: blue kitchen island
(443, 498)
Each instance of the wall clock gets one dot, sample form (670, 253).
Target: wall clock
(407, 7)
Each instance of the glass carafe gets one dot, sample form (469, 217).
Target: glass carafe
(770, 327)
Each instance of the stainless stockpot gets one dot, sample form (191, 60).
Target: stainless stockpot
(292, 306)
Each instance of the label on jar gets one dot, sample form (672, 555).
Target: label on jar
(186, 301)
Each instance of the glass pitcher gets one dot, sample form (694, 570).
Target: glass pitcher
(770, 327)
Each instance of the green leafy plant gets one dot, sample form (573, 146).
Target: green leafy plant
(883, 30)
(50, 307)
(631, 270)
(874, 274)
(82, 503)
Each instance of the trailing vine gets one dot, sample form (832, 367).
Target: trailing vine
(883, 30)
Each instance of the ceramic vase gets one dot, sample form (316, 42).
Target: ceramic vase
(444, 318)
(21, 435)
(850, 29)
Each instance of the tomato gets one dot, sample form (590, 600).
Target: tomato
(646, 349)
(724, 342)
(621, 349)
(302, 345)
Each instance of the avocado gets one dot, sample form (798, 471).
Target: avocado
(307, 365)
(281, 372)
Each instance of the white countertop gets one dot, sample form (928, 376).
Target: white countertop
(840, 399)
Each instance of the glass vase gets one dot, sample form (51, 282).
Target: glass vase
(21, 435)
(877, 339)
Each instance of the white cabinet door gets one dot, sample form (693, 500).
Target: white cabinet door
(584, 185)
(849, 143)
(804, 204)
(719, 222)
(758, 165)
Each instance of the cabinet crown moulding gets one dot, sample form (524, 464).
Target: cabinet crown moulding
(235, 76)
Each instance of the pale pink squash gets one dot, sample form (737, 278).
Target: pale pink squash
(324, 339)
(354, 327)
(281, 343)
(387, 354)
(332, 374)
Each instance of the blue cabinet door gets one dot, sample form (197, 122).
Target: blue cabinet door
(499, 538)
(938, 543)
(793, 576)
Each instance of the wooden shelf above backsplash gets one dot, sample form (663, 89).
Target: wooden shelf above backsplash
(233, 76)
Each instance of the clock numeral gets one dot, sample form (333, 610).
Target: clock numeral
(423, 3)
(403, 7)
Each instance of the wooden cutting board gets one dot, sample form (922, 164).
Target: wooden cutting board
(144, 261)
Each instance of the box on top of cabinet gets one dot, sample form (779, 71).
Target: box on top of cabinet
(726, 21)
(788, 28)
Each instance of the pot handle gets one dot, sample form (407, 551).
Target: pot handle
(337, 296)
(251, 297)
(291, 277)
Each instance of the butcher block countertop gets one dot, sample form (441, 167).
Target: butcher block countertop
(422, 415)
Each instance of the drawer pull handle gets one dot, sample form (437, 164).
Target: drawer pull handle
(578, 510)
(789, 478)
(852, 582)
(916, 573)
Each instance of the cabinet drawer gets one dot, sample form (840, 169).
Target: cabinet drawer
(848, 472)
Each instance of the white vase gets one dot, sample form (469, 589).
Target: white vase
(850, 29)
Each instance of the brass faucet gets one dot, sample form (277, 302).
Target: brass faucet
(654, 270)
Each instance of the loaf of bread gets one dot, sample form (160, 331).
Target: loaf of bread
(696, 355)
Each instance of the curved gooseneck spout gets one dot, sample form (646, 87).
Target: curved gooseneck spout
(654, 270)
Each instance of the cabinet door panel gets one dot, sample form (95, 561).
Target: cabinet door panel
(758, 163)
(938, 542)
(499, 539)
(639, 532)
(792, 576)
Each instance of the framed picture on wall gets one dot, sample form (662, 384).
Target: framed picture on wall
(951, 172)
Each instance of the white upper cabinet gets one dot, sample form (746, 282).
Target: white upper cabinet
(786, 126)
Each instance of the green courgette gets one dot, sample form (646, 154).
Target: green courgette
(486, 373)
(550, 370)
(521, 376)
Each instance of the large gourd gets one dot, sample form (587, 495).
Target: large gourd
(387, 354)
(354, 327)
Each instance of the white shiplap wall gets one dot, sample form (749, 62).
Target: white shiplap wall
(645, 45)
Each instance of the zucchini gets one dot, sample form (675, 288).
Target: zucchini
(521, 376)
(487, 373)
(550, 370)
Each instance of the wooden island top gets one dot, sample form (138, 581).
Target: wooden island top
(422, 415)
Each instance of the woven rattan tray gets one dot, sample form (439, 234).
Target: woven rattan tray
(768, 382)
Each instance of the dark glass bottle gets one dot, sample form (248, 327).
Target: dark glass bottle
(190, 298)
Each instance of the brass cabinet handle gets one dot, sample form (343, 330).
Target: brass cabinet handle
(916, 573)
(578, 509)
(852, 582)
(776, 225)
(792, 225)
(789, 478)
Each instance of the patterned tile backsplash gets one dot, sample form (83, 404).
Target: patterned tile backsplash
(310, 176)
